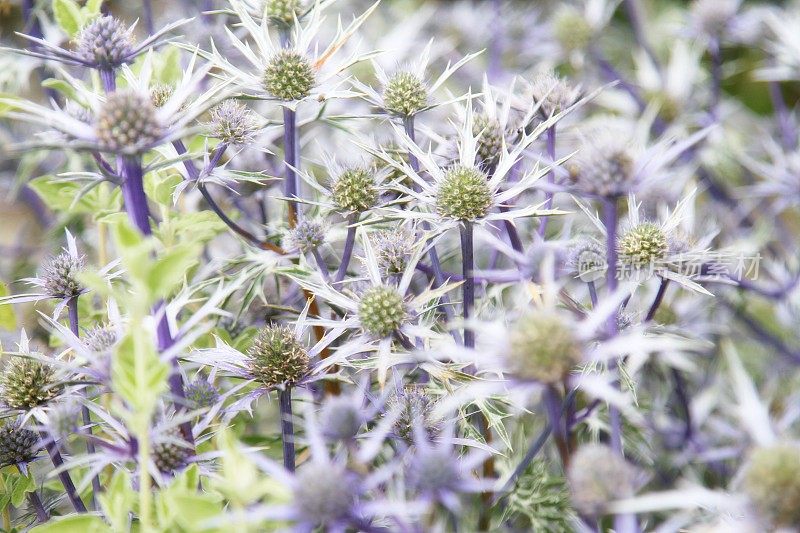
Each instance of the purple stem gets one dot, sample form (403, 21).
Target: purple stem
(109, 79)
(135, 201)
(33, 498)
(551, 176)
(592, 293)
(63, 475)
(290, 157)
(147, 12)
(467, 266)
(349, 243)
(287, 428)
(72, 309)
(662, 290)
(323, 268)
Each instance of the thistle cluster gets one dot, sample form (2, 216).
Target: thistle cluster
(308, 235)
(127, 123)
(100, 339)
(201, 394)
(283, 12)
(342, 418)
(354, 190)
(393, 249)
(324, 492)
(598, 476)
(642, 245)
(405, 94)
(276, 357)
(604, 168)
(464, 194)
(233, 123)
(772, 482)
(587, 260)
(105, 42)
(552, 93)
(27, 383)
(382, 311)
(490, 139)
(161, 93)
(542, 347)
(18, 445)
(415, 408)
(289, 76)
(60, 276)
(168, 455)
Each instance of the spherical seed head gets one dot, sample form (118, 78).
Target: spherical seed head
(405, 94)
(415, 407)
(642, 245)
(289, 76)
(100, 339)
(324, 492)
(382, 311)
(105, 42)
(59, 276)
(587, 259)
(542, 347)
(201, 394)
(489, 135)
(772, 482)
(597, 475)
(354, 190)
(571, 28)
(464, 194)
(27, 383)
(233, 123)
(276, 357)
(307, 235)
(392, 251)
(283, 12)
(168, 455)
(161, 93)
(604, 168)
(552, 93)
(18, 445)
(341, 418)
(127, 122)
(433, 470)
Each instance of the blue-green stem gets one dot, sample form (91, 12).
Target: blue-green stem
(467, 267)
(349, 243)
(287, 428)
(291, 159)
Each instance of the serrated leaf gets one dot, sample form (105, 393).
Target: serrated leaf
(68, 16)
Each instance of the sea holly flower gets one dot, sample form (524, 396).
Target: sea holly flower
(18, 445)
(407, 92)
(290, 74)
(598, 476)
(105, 43)
(58, 278)
(377, 313)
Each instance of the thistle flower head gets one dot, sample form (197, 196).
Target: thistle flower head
(642, 245)
(283, 12)
(587, 259)
(105, 42)
(604, 167)
(307, 235)
(27, 383)
(542, 347)
(464, 194)
(571, 28)
(393, 249)
(18, 445)
(405, 94)
(100, 339)
(201, 393)
(161, 93)
(59, 276)
(553, 93)
(382, 311)
(276, 357)
(597, 475)
(772, 482)
(168, 455)
(354, 190)
(415, 407)
(341, 418)
(127, 122)
(489, 135)
(289, 76)
(433, 470)
(233, 123)
(62, 419)
(324, 492)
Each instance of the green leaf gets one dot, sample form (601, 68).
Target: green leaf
(140, 390)
(22, 486)
(162, 186)
(61, 86)
(92, 8)
(68, 15)
(169, 269)
(76, 522)
(118, 500)
(64, 196)
(8, 320)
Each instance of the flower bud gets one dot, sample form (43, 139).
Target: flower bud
(604, 168)
(542, 347)
(27, 383)
(161, 93)
(276, 357)
(489, 135)
(201, 394)
(597, 476)
(354, 190)
(772, 482)
(433, 470)
(307, 235)
(283, 12)
(233, 123)
(415, 407)
(18, 445)
(571, 28)
(382, 311)
(127, 123)
(643, 245)
(105, 43)
(552, 93)
(289, 76)
(324, 492)
(587, 260)
(341, 418)
(392, 251)
(168, 455)
(464, 194)
(59, 274)
(405, 94)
